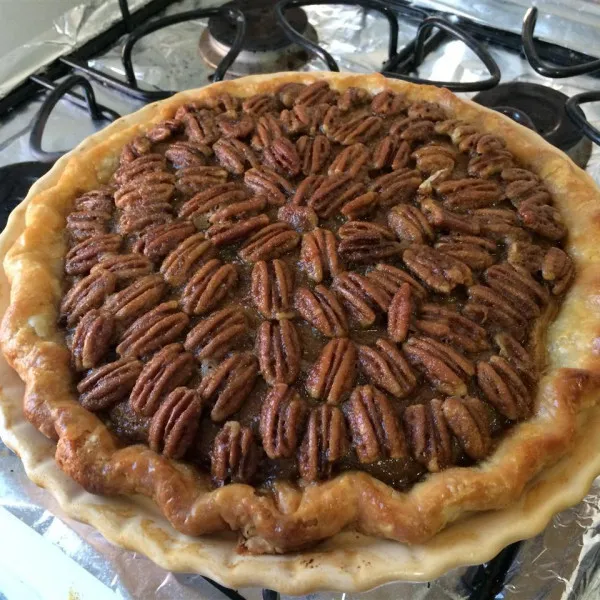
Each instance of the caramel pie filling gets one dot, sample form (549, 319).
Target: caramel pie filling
(295, 285)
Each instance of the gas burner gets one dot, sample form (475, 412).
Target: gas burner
(266, 48)
(542, 109)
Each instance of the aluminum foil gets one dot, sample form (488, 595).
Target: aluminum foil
(563, 563)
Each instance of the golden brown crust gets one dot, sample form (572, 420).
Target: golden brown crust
(290, 519)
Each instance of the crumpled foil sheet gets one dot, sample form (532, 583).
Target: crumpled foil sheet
(562, 563)
(71, 30)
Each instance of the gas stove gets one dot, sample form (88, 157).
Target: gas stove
(145, 50)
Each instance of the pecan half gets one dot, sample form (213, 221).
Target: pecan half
(363, 241)
(144, 164)
(357, 129)
(217, 334)
(259, 104)
(83, 256)
(525, 255)
(158, 327)
(439, 271)
(333, 374)
(488, 307)
(142, 218)
(468, 419)
(208, 286)
(272, 287)
(472, 250)
(268, 129)
(97, 200)
(160, 240)
(374, 427)
(428, 435)
(558, 269)
(350, 160)
(306, 188)
(388, 103)
(446, 369)
(108, 384)
(234, 155)
(88, 293)
(318, 255)
(447, 220)
(325, 442)
(390, 152)
(332, 193)
(301, 218)
(522, 185)
(213, 198)
(181, 262)
(234, 456)
(503, 388)
(229, 384)
(239, 210)
(466, 194)
(168, 369)
(229, 232)
(313, 153)
(542, 219)
(318, 92)
(138, 297)
(385, 367)
(413, 129)
(194, 179)
(518, 287)
(321, 309)
(87, 223)
(353, 97)
(400, 313)
(362, 297)
(175, 423)
(409, 224)
(269, 184)
(449, 326)
(360, 206)
(200, 128)
(187, 154)
(281, 418)
(392, 278)
(499, 224)
(91, 339)
(434, 158)
(164, 130)
(279, 351)
(396, 187)
(147, 190)
(281, 155)
(489, 163)
(510, 349)
(271, 241)
(124, 266)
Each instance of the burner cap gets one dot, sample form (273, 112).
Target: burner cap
(263, 32)
(542, 106)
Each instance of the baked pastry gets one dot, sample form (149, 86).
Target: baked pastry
(292, 304)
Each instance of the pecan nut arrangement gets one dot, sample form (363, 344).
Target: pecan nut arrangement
(308, 295)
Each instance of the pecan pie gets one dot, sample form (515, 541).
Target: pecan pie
(290, 305)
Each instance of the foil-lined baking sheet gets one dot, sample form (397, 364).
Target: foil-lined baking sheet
(563, 563)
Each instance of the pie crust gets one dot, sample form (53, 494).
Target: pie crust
(291, 518)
